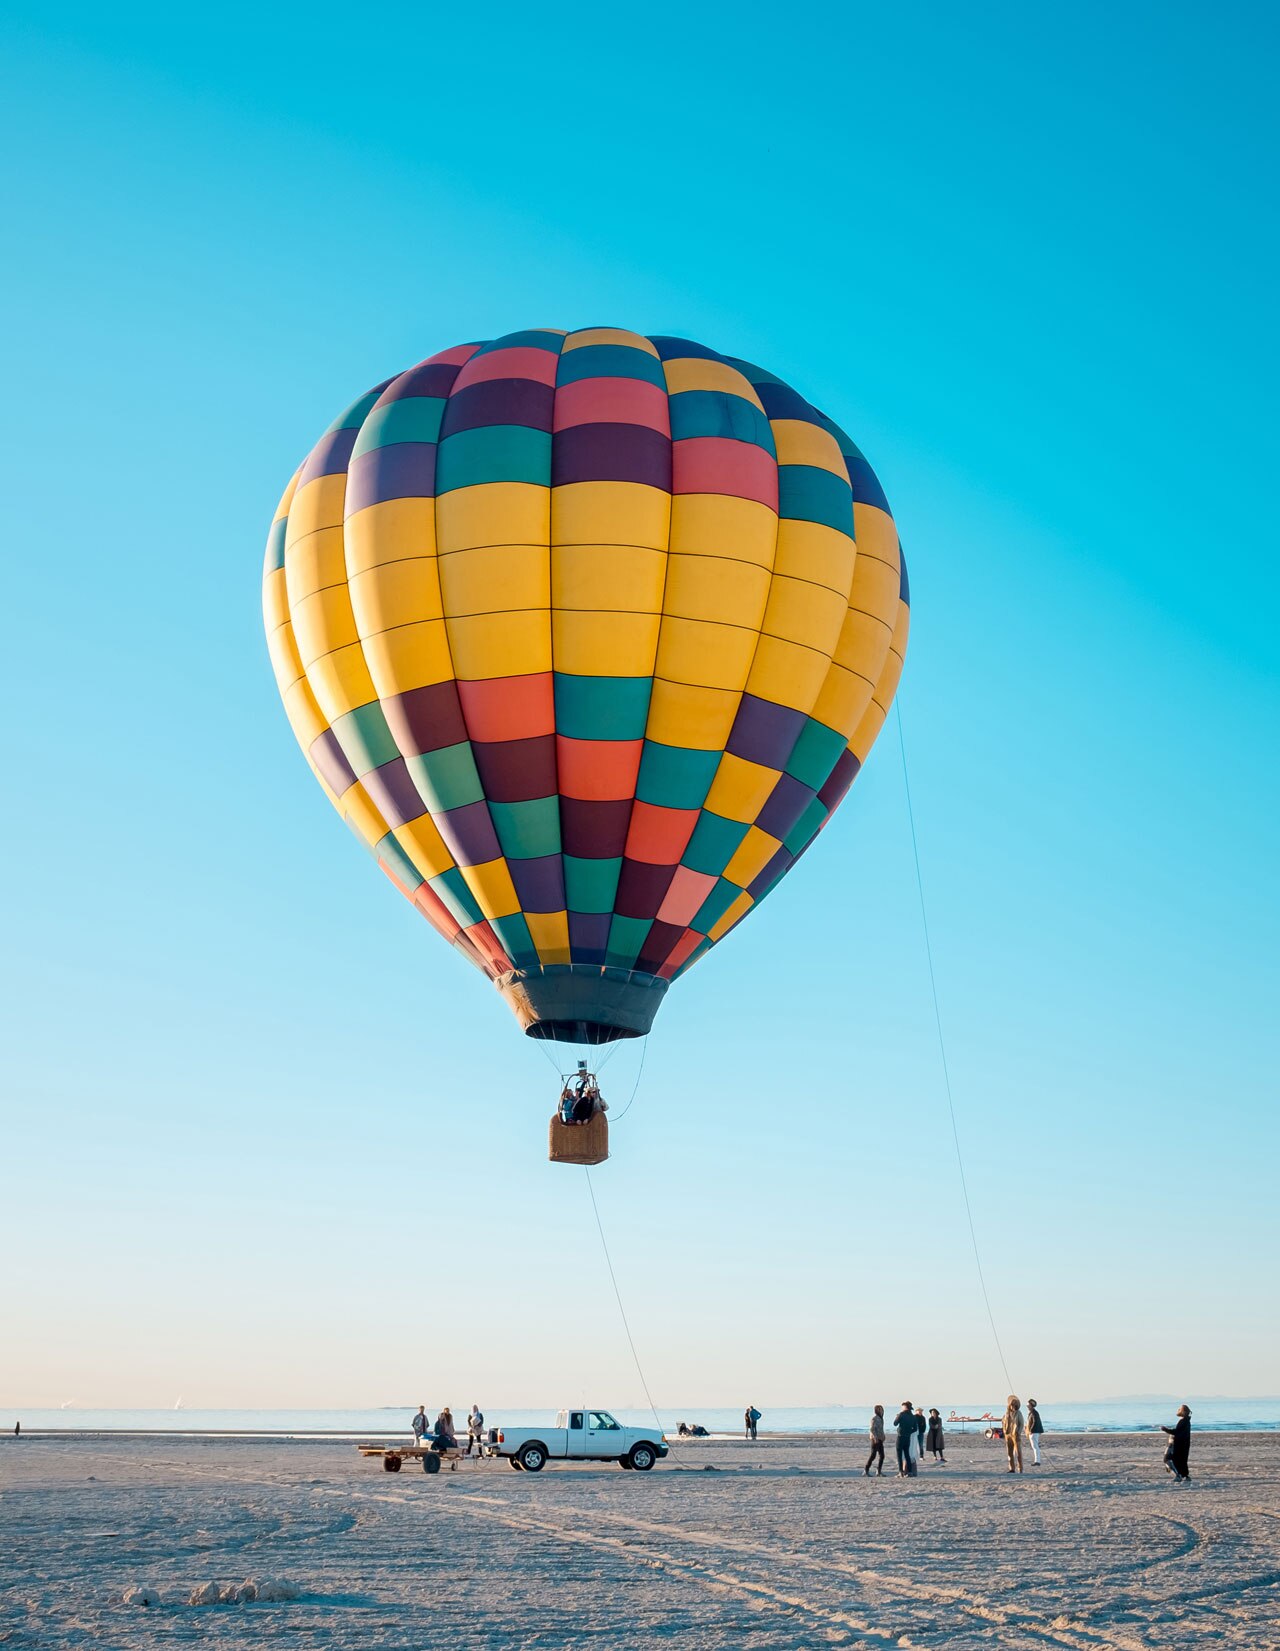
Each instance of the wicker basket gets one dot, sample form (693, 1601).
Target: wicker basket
(579, 1143)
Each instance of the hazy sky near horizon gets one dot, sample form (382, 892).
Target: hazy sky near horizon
(264, 1139)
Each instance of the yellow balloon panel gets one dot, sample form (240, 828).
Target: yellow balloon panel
(389, 532)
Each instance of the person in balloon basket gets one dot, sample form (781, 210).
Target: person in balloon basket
(475, 1430)
(1177, 1459)
(904, 1425)
(750, 1418)
(580, 1099)
(1013, 1426)
(588, 1102)
(876, 1434)
(1035, 1427)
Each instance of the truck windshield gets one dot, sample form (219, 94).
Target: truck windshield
(602, 1422)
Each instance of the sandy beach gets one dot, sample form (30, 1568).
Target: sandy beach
(782, 1545)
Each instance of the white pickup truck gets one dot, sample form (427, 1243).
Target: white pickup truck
(578, 1436)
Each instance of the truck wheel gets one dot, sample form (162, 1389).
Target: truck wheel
(532, 1457)
(391, 1464)
(624, 1461)
(643, 1457)
(431, 1462)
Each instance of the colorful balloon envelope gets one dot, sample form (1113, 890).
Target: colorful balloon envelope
(585, 635)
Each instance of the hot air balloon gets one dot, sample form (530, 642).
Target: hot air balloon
(585, 635)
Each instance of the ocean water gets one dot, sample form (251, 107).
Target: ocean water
(1138, 1414)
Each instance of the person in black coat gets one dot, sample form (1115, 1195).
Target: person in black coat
(904, 1425)
(1178, 1455)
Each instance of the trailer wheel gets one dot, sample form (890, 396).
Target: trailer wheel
(643, 1456)
(532, 1457)
(391, 1464)
(431, 1462)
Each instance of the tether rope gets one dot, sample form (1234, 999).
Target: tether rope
(618, 1293)
(635, 1088)
(942, 1050)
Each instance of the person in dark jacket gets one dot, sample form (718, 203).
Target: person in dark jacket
(587, 1102)
(1035, 1427)
(1178, 1455)
(876, 1434)
(749, 1419)
(904, 1425)
(933, 1439)
(922, 1427)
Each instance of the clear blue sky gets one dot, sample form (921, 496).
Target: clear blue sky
(1029, 262)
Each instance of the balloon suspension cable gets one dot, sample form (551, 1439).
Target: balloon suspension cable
(618, 1293)
(549, 1057)
(554, 1064)
(942, 1050)
(609, 1054)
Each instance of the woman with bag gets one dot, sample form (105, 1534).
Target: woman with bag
(1012, 1429)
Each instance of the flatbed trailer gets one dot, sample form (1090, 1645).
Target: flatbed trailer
(395, 1456)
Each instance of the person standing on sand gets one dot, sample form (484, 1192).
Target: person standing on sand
(750, 1417)
(475, 1429)
(876, 1434)
(1035, 1427)
(934, 1439)
(904, 1425)
(1012, 1429)
(420, 1425)
(1178, 1456)
(922, 1427)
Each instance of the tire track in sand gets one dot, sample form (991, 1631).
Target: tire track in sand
(1031, 1631)
(1068, 1632)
